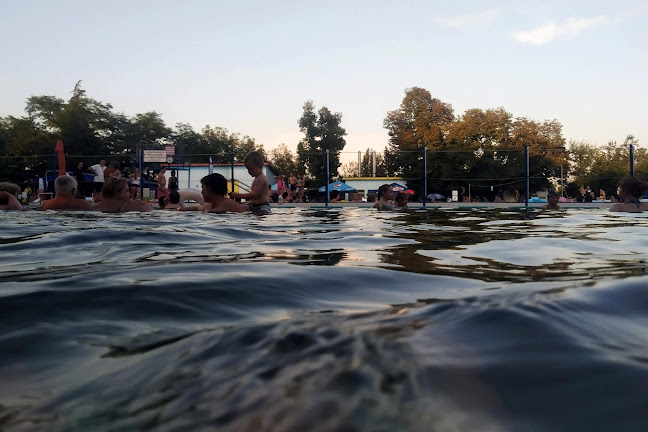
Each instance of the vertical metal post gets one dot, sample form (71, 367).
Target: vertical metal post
(141, 164)
(326, 191)
(526, 176)
(424, 177)
(359, 163)
(232, 170)
(189, 176)
(374, 163)
(631, 160)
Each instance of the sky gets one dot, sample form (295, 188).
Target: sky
(249, 66)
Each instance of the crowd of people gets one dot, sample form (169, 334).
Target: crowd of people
(112, 192)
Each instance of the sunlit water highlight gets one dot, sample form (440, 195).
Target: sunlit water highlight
(316, 320)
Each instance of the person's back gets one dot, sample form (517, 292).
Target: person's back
(66, 188)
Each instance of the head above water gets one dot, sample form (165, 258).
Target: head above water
(385, 191)
(632, 188)
(216, 183)
(65, 184)
(114, 187)
(254, 158)
(12, 188)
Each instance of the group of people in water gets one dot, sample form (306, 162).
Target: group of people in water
(116, 195)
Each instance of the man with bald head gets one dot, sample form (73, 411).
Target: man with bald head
(66, 189)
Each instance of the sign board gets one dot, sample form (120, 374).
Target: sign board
(155, 156)
(455, 195)
(170, 150)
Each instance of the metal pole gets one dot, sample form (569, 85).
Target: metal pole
(631, 160)
(526, 176)
(141, 164)
(189, 176)
(232, 170)
(359, 163)
(326, 191)
(469, 196)
(374, 163)
(424, 177)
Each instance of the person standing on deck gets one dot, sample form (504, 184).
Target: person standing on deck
(161, 179)
(98, 171)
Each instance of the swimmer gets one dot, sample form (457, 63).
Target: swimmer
(9, 196)
(171, 202)
(257, 198)
(401, 200)
(552, 201)
(116, 198)
(214, 189)
(631, 189)
(66, 189)
(385, 198)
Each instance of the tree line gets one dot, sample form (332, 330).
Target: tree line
(482, 147)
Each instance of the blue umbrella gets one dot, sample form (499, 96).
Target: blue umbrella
(338, 186)
(399, 188)
(435, 197)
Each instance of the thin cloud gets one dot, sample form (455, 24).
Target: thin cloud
(468, 21)
(552, 31)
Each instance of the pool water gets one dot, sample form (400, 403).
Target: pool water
(346, 319)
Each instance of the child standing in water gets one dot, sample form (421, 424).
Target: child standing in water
(552, 201)
(385, 198)
(401, 200)
(257, 198)
(214, 189)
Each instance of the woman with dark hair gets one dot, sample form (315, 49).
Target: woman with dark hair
(631, 189)
(116, 198)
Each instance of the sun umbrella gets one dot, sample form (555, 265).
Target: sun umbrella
(400, 188)
(435, 197)
(60, 156)
(338, 186)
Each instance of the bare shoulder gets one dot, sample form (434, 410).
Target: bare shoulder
(233, 206)
(134, 205)
(616, 207)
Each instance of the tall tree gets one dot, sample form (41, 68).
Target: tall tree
(420, 122)
(284, 161)
(323, 131)
(367, 164)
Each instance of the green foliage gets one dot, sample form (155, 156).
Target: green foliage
(366, 164)
(284, 161)
(90, 130)
(603, 167)
(322, 132)
(420, 123)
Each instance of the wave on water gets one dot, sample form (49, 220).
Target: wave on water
(315, 320)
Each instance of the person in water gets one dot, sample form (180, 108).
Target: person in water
(552, 201)
(9, 196)
(214, 191)
(257, 198)
(631, 189)
(116, 198)
(385, 198)
(170, 202)
(401, 200)
(66, 190)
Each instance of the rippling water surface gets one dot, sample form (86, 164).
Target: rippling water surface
(324, 320)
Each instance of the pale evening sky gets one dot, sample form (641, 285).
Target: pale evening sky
(249, 66)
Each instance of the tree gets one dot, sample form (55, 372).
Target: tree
(283, 161)
(420, 122)
(366, 164)
(322, 132)
(349, 169)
